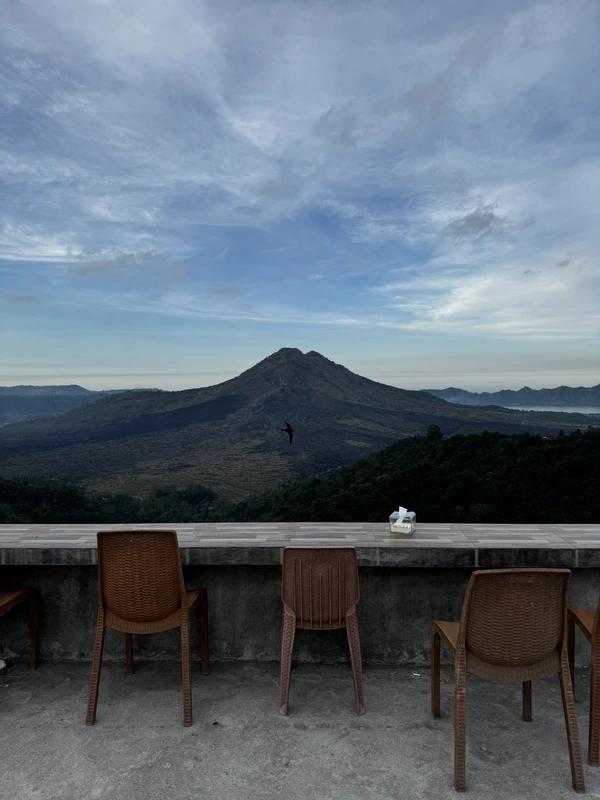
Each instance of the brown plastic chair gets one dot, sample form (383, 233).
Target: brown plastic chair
(319, 590)
(8, 601)
(140, 591)
(589, 623)
(513, 627)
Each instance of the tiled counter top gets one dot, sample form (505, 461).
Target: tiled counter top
(433, 545)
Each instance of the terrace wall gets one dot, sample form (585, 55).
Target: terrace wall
(404, 585)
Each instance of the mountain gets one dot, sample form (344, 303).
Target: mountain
(561, 396)
(228, 437)
(20, 403)
(70, 389)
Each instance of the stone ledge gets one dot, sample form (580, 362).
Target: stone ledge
(260, 544)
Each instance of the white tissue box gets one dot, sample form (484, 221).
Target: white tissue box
(403, 524)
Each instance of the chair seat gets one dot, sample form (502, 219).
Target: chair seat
(448, 631)
(9, 600)
(583, 618)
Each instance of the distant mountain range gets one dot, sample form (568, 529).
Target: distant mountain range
(20, 403)
(228, 437)
(561, 396)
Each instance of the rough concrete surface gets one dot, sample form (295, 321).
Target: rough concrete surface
(395, 613)
(240, 748)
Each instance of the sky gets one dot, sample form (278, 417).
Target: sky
(411, 189)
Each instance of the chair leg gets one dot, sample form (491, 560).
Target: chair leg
(435, 674)
(460, 680)
(186, 682)
(594, 732)
(571, 650)
(204, 632)
(356, 661)
(95, 673)
(287, 646)
(527, 710)
(129, 652)
(34, 633)
(571, 724)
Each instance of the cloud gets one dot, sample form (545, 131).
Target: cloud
(20, 298)
(241, 149)
(87, 264)
(25, 242)
(337, 126)
(483, 221)
(511, 302)
(225, 291)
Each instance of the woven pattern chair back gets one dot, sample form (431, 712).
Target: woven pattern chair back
(140, 574)
(320, 585)
(515, 618)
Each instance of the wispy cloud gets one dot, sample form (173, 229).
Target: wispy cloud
(482, 221)
(20, 298)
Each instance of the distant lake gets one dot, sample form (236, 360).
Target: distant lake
(562, 409)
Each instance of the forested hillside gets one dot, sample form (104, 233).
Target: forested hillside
(486, 477)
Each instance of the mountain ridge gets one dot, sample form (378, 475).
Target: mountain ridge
(228, 436)
(565, 396)
(27, 402)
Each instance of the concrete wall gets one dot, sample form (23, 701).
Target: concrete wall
(396, 609)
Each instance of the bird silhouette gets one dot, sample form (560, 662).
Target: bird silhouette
(289, 430)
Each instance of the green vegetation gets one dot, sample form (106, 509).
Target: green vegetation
(486, 477)
(45, 502)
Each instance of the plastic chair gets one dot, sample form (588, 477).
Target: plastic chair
(140, 591)
(11, 599)
(513, 627)
(589, 624)
(319, 591)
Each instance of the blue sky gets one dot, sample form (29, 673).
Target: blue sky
(411, 189)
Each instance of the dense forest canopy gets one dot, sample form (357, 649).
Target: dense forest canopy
(486, 477)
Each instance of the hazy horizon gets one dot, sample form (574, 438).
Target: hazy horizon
(213, 377)
(411, 192)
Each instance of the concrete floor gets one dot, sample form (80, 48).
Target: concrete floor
(240, 748)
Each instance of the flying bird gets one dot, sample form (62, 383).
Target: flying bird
(289, 430)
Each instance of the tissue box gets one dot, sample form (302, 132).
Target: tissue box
(403, 525)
